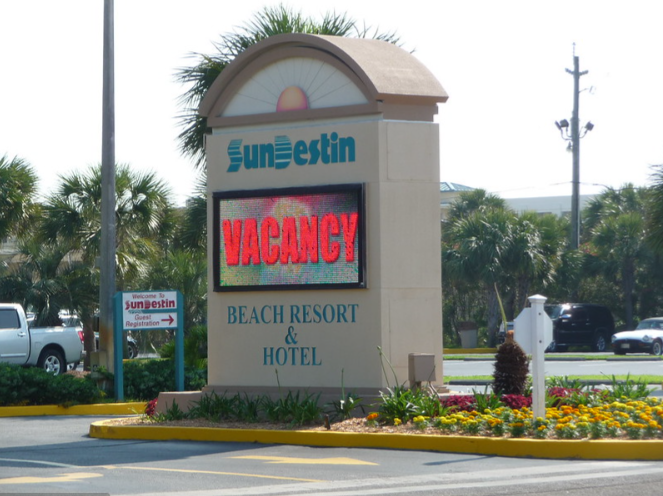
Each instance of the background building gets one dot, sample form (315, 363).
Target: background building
(558, 205)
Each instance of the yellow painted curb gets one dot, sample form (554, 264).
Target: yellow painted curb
(96, 409)
(535, 448)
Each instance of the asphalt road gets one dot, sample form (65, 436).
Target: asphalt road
(561, 368)
(48, 455)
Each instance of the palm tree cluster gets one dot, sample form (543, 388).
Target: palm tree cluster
(491, 254)
(488, 251)
(157, 246)
(55, 267)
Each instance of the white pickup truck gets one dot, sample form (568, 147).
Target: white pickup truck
(51, 348)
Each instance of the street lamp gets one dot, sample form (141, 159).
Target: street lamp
(572, 133)
(563, 127)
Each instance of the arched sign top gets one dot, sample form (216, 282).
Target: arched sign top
(298, 77)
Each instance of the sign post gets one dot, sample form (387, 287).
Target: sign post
(143, 311)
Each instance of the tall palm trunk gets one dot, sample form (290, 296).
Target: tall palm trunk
(493, 315)
(521, 294)
(628, 287)
(89, 341)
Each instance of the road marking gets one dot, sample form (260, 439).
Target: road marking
(35, 480)
(437, 483)
(58, 478)
(306, 461)
(237, 474)
(38, 462)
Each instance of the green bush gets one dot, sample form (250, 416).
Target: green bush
(34, 386)
(145, 379)
(195, 347)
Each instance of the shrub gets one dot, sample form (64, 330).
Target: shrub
(195, 347)
(291, 408)
(145, 379)
(397, 403)
(459, 402)
(517, 401)
(511, 368)
(34, 386)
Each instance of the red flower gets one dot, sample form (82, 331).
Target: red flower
(517, 401)
(151, 408)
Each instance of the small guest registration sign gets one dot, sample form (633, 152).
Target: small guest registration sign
(148, 310)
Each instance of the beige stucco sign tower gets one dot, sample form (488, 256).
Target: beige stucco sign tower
(323, 216)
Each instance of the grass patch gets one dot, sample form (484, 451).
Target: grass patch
(558, 356)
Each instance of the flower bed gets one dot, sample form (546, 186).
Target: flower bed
(623, 411)
(631, 420)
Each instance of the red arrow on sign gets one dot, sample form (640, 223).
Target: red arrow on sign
(170, 320)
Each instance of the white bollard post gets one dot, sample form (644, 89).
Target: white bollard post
(538, 359)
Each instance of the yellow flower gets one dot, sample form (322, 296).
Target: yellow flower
(397, 421)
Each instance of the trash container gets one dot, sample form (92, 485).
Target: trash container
(468, 334)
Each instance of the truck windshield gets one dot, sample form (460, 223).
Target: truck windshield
(553, 311)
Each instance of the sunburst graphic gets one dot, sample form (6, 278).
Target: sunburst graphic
(296, 83)
(292, 98)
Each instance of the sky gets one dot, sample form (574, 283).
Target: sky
(503, 65)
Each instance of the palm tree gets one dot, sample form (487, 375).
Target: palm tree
(268, 22)
(186, 271)
(471, 201)
(474, 252)
(616, 231)
(525, 260)
(487, 245)
(36, 280)
(144, 225)
(192, 231)
(655, 211)
(144, 217)
(18, 185)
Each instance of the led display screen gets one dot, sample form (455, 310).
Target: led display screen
(294, 238)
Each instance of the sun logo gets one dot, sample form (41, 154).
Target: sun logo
(292, 98)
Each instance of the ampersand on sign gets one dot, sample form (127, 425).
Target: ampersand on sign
(291, 338)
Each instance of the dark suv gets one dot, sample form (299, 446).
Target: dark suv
(580, 324)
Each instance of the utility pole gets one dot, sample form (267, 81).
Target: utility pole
(575, 143)
(107, 258)
(574, 137)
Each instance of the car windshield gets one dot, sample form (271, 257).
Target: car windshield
(650, 324)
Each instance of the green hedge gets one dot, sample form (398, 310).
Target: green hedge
(34, 386)
(145, 379)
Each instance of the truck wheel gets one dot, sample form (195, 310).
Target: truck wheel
(657, 348)
(52, 362)
(553, 347)
(599, 342)
(133, 350)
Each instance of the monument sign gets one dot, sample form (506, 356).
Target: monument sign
(323, 216)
